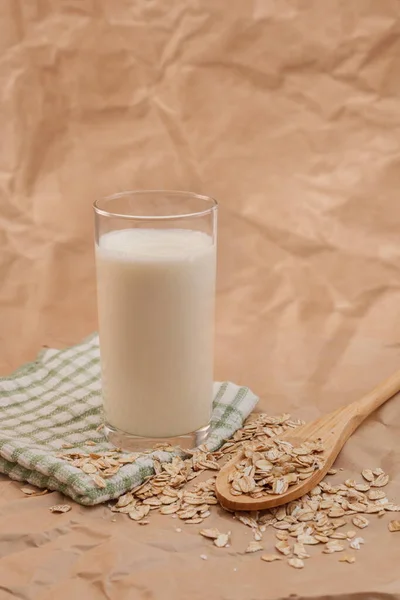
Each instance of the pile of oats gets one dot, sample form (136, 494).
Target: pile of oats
(331, 517)
(99, 465)
(273, 466)
(165, 491)
(260, 429)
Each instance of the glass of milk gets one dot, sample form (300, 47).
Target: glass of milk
(156, 268)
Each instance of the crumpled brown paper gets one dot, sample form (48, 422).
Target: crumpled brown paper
(288, 113)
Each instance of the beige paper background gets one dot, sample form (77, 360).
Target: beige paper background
(288, 112)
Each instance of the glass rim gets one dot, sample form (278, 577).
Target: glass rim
(201, 213)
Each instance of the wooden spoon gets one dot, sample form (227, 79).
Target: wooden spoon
(334, 430)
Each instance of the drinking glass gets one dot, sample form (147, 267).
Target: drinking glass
(156, 270)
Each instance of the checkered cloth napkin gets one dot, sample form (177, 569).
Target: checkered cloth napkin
(57, 400)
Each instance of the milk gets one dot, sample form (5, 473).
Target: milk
(156, 308)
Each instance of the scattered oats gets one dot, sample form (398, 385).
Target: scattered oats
(338, 523)
(334, 513)
(381, 502)
(338, 536)
(267, 465)
(34, 493)
(350, 483)
(281, 513)
(394, 526)
(360, 521)
(380, 481)
(281, 525)
(89, 468)
(152, 501)
(203, 556)
(356, 506)
(143, 522)
(356, 543)
(296, 563)
(125, 509)
(347, 558)
(392, 507)
(222, 540)
(321, 538)
(187, 514)
(333, 546)
(378, 472)
(145, 509)
(376, 495)
(167, 499)
(362, 487)
(254, 547)
(309, 540)
(139, 513)
(178, 530)
(60, 508)
(351, 534)
(306, 515)
(124, 500)
(368, 475)
(29, 491)
(128, 459)
(332, 472)
(373, 509)
(99, 481)
(283, 547)
(257, 535)
(246, 520)
(194, 521)
(271, 557)
(169, 509)
(300, 551)
(263, 465)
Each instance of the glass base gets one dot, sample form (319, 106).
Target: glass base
(135, 443)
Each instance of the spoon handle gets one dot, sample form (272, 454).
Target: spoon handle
(360, 409)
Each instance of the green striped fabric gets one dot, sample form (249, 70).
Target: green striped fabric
(57, 399)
